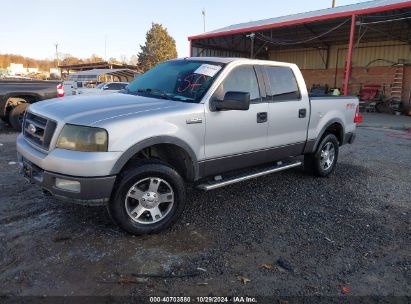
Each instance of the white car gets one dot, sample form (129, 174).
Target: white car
(102, 88)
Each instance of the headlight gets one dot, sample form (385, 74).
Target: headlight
(81, 138)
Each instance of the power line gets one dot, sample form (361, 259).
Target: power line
(385, 21)
(387, 34)
(387, 16)
(270, 40)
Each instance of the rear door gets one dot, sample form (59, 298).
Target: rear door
(237, 139)
(289, 112)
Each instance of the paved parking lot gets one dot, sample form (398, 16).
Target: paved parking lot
(284, 234)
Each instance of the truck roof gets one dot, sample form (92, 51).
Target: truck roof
(233, 59)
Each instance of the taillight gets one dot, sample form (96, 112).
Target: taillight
(358, 116)
(60, 90)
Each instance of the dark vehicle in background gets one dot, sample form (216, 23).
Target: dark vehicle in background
(17, 95)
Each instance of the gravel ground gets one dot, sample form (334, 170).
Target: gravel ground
(346, 234)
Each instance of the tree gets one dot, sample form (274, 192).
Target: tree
(69, 60)
(113, 60)
(133, 60)
(93, 59)
(123, 59)
(159, 46)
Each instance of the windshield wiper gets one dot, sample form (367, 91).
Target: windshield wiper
(155, 92)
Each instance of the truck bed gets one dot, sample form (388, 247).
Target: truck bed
(30, 90)
(331, 108)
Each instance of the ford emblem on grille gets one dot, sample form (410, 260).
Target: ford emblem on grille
(31, 129)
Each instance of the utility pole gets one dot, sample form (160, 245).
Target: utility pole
(204, 21)
(334, 3)
(105, 47)
(57, 54)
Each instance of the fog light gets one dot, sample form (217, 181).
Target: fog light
(68, 185)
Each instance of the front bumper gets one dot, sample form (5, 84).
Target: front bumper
(90, 171)
(68, 162)
(91, 190)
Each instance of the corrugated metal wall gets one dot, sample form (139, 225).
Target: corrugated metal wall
(364, 54)
(201, 52)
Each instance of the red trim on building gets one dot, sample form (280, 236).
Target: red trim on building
(306, 20)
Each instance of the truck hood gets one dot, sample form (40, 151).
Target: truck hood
(89, 110)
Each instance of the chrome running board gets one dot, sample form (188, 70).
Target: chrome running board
(233, 180)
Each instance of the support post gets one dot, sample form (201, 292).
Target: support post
(252, 47)
(349, 56)
(191, 49)
(251, 36)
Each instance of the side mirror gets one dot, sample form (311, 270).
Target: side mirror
(232, 101)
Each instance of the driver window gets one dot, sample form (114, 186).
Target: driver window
(241, 79)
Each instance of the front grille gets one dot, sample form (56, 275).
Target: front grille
(38, 130)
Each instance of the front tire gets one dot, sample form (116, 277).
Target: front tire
(148, 198)
(5, 119)
(322, 162)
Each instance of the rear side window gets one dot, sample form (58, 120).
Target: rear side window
(283, 85)
(242, 79)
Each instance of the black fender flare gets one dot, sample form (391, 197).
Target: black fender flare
(130, 152)
(310, 148)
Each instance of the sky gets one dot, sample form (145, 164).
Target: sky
(81, 27)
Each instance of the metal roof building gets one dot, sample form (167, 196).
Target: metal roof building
(365, 8)
(120, 75)
(332, 46)
(97, 65)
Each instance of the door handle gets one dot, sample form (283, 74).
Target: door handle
(261, 117)
(302, 113)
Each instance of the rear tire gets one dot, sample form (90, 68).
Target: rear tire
(16, 116)
(147, 199)
(322, 162)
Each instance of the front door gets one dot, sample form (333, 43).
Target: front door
(236, 139)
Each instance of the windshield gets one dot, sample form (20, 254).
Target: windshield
(182, 80)
(101, 85)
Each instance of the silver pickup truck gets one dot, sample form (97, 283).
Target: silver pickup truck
(200, 122)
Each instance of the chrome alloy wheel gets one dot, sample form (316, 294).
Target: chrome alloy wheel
(149, 200)
(327, 156)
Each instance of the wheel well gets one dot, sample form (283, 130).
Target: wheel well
(14, 100)
(170, 154)
(336, 129)
(28, 98)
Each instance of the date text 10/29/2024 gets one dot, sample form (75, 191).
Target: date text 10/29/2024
(203, 300)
